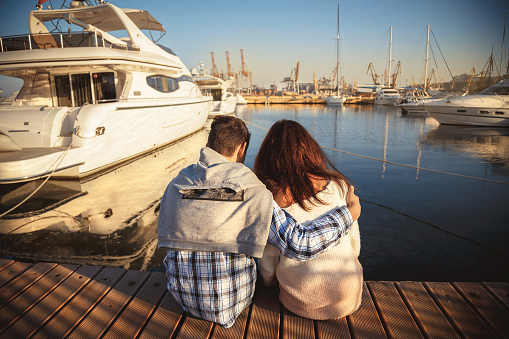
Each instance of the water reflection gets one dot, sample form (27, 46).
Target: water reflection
(416, 224)
(420, 220)
(489, 144)
(109, 220)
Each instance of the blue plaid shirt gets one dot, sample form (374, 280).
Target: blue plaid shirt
(217, 286)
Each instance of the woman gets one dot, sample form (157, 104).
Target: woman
(305, 183)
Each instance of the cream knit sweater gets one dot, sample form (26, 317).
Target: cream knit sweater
(327, 286)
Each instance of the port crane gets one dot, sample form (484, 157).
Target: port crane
(471, 76)
(292, 80)
(244, 68)
(244, 73)
(394, 76)
(215, 72)
(374, 75)
(229, 66)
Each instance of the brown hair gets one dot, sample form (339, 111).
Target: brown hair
(226, 134)
(289, 158)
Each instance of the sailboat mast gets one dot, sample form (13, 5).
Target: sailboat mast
(390, 56)
(337, 56)
(503, 41)
(426, 62)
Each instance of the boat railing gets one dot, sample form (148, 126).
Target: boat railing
(57, 40)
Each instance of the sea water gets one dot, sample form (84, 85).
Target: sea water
(434, 197)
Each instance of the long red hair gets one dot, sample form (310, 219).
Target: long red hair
(289, 158)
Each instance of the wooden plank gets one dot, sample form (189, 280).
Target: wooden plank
(38, 315)
(500, 290)
(194, 328)
(265, 315)
(75, 310)
(486, 306)
(295, 327)
(132, 319)
(461, 316)
(5, 263)
(29, 297)
(104, 313)
(426, 312)
(236, 331)
(333, 329)
(12, 271)
(23, 281)
(165, 320)
(365, 323)
(393, 311)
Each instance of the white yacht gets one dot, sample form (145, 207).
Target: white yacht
(240, 99)
(414, 105)
(91, 100)
(488, 108)
(387, 96)
(224, 102)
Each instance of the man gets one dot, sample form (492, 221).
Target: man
(216, 217)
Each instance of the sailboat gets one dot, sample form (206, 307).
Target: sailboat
(338, 99)
(388, 95)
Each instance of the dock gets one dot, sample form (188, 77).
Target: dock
(51, 300)
(303, 99)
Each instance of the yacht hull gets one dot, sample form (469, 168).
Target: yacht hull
(471, 116)
(104, 136)
(335, 100)
(386, 101)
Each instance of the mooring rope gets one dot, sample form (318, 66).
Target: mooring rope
(400, 164)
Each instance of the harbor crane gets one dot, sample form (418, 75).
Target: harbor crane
(229, 66)
(244, 73)
(394, 76)
(244, 68)
(215, 72)
(374, 76)
(317, 91)
(471, 76)
(292, 80)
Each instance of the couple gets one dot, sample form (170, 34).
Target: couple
(216, 217)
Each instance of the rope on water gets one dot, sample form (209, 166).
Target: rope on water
(400, 164)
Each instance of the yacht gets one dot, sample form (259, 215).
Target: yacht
(488, 108)
(223, 101)
(414, 105)
(90, 100)
(240, 99)
(387, 96)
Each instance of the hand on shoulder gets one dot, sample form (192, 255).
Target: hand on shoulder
(353, 203)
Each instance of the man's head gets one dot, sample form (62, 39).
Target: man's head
(229, 137)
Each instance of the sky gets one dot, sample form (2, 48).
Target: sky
(275, 35)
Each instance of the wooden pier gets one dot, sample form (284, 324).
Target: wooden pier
(49, 300)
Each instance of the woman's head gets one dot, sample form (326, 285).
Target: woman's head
(289, 159)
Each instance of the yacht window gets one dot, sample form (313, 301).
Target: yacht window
(185, 78)
(167, 49)
(163, 83)
(104, 86)
(172, 84)
(216, 94)
(81, 89)
(500, 90)
(63, 89)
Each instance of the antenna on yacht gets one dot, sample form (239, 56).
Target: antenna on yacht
(77, 4)
(39, 4)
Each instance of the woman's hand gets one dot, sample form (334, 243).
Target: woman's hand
(353, 203)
